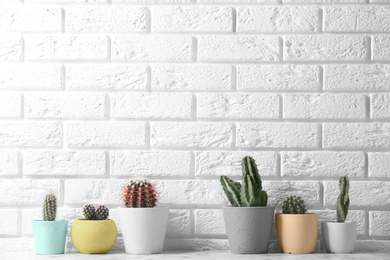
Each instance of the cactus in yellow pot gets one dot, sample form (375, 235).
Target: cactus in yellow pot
(95, 233)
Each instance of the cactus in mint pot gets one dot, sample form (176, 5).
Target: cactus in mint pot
(140, 200)
(49, 233)
(248, 205)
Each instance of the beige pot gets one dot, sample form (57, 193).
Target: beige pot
(297, 233)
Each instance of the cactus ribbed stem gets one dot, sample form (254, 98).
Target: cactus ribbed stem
(294, 205)
(232, 190)
(343, 199)
(139, 194)
(50, 207)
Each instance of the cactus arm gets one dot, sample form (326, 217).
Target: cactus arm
(264, 198)
(249, 167)
(343, 199)
(232, 190)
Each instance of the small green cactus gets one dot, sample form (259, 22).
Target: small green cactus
(250, 193)
(89, 212)
(294, 205)
(50, 207)
(343, 199)
(102, 212)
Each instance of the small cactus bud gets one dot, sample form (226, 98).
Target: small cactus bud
(294, 205)
(139, 194)
(89, 212)
(102, 212)
(50, 207)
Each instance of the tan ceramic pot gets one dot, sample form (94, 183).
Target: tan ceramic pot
(297, 233)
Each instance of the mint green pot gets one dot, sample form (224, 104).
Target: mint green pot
(49, 236)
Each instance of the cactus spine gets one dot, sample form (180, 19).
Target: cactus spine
(343, 199)
(50, 207)
(250, 193)
(139, 194)
(294, 205)
(90, 212)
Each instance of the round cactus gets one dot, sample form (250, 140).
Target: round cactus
(139, 194)
(102, 212)
(294, 205)
(50, 207)
(89, 212)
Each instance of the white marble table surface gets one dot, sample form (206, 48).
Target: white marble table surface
(198, 255)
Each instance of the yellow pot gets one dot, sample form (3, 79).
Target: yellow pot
(297, 233)
(93, 236)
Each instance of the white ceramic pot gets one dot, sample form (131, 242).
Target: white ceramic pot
(339, 238)
(143, 229)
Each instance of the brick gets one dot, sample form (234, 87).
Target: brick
(322, 164)
(379, 223)
(229, 163)
(28, 215)
(356, 135)
(324, 106)
(9, 163)
(380, 46)
(276, 135)
(357, 18)
(10, 246)
(30, 133)
(190, 134)
(246, 106)
(361, 193)
(106, 76)
(357, 77)
(27, 192)
(30, 19)
(148, 48)
(9, 220)
(277, 19)
(66, 47)
(325, 47)
(380, 106)
(151, 105)
(10, 105)
(64, 105)
(278, 77)
(191, 192)
(105, 134)
(379, 164)
(192, 19)
(106, 19)
(30, 76)
(150, 163)
(372, 246)
(278, 191)
(79, 191)
(179, 223)
(191, 77)
(238, 48)
(209, 222)
(10, 47)
(357, 216)
(64, 163)
(152, 1)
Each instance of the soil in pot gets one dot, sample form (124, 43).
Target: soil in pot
(339, 238)
(248, 228)
(144, 229)
(49, 236)
(297, 233)
(93, 236)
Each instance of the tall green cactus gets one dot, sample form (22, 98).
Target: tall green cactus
(251, 193)
(50, 207)
(343, 199)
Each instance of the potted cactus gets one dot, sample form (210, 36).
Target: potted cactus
(95, 233)
(143, 223)
(248, 220)
(296, 230)
(49, 233)
(340, 236)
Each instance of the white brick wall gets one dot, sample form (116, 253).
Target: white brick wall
(95, 92)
